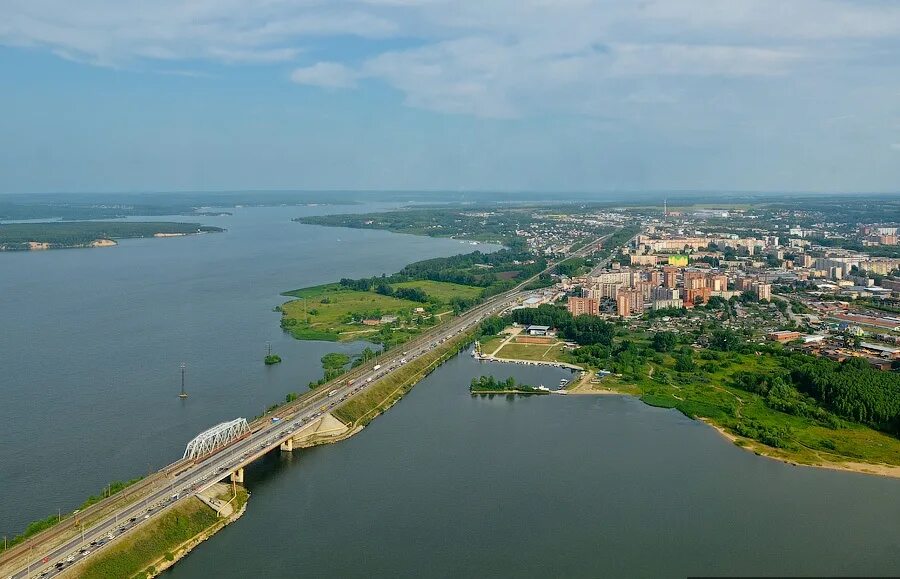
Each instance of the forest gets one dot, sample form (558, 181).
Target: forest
(582, 329)
(16, 236)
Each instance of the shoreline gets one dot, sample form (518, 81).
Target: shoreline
(764, 451)
(759, 449)
(161, 565)
(585, 388)
(504, 392)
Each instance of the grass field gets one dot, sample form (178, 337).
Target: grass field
(159, 539)
(488, 345)
(328, 309)
(538, 352)
(442, 291)
(331, 312)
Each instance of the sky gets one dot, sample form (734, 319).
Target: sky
(511, 95)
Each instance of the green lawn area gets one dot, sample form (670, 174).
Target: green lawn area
(490, 344)
(328, 309)
(332, 311)
(538, 352)
(442, 291)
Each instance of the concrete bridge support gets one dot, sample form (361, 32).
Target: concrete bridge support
(287, 445)
(238, 476)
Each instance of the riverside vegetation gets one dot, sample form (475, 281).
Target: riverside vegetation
(775, 401)
(158, 543)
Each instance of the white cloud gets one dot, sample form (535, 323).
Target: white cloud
(325, 74)
(495, 58)
(116, 32)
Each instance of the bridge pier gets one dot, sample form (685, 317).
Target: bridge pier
(238, 476)
(287, 445)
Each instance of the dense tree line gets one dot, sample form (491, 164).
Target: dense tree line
(853, 390)
(413, 294)
(491, 383)
(503, 270)
(493, 325)
(571, 267)
(582, 329)
(463, 269)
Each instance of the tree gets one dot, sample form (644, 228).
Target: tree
(684, 361)
(725, 340)
(664, 341)
(587, 329)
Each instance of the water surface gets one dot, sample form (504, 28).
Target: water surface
(446, 485)
(92, 340)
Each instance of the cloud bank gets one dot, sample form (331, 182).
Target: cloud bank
(502, 58)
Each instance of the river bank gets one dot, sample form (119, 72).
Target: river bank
(759, 449)
(805, 456)
(597, 482)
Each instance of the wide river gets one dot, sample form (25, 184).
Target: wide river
(443, 485)
(92, 341)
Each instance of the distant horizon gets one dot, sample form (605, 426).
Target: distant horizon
(424, 191)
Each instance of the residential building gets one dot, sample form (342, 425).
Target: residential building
(579, 306)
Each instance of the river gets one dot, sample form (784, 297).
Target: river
(92, 341)
(446, 485)
(442, 485)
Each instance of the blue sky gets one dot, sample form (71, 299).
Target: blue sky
(546, 95)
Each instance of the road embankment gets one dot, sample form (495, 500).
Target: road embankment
(150, 549)
(366, 406)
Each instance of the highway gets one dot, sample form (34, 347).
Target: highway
(265, 436)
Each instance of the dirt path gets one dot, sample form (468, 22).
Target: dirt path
(512, 334)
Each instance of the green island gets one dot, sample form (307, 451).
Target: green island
(271, 359)
(64, 235)
(488, 385)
